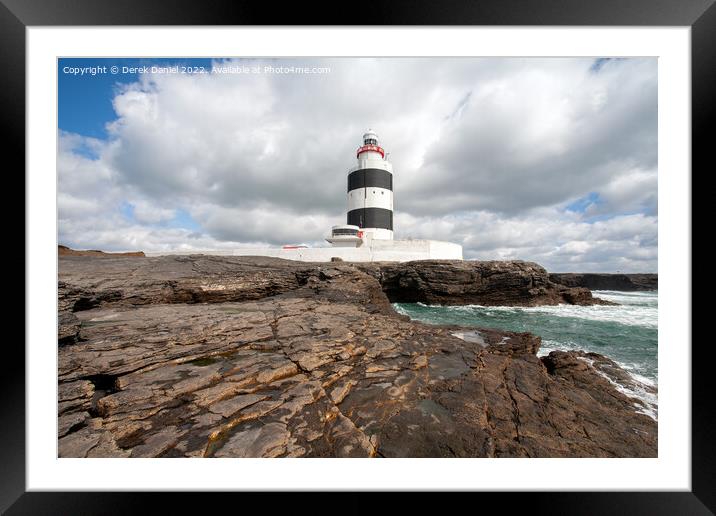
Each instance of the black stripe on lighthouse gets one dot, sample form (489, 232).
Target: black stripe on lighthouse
(371, 218)
(370, 177)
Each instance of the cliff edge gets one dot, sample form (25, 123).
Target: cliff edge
(602, 281)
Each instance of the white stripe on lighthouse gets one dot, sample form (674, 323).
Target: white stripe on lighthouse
(370, 198)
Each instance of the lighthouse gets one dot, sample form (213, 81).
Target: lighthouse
(370, 190)
(370, 197)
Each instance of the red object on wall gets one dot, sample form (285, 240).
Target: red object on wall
(370, 148)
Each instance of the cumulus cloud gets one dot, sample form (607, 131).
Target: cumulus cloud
(552, 160)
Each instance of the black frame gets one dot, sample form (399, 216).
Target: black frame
(16, 15)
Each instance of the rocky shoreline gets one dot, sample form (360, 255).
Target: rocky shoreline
(489, 283)
(601, 281)
(213, 356)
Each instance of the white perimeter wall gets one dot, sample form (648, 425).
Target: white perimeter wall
(381, 250)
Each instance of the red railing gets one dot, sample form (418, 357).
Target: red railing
(370, 148)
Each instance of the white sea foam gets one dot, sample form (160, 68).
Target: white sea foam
(547, 346)
(631, 297)
(628, 314)
(400, 309)
(640, 389)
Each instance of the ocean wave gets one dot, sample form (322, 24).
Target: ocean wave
(547, 346)
(628, 298)
(633, 309)
(400, 309)
(630, 316)
(623, 314)
(626, 293)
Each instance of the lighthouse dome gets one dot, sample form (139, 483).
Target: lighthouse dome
(370, 138)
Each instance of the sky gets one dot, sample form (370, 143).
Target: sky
(551, 160)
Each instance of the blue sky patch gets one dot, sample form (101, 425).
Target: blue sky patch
(86, 87)
(581, 204)
(127, 211)
(184, 220)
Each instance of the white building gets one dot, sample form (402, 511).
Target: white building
(367, 235)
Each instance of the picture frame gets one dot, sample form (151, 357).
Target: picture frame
(700, 15)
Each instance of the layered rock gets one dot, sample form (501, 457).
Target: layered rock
(599, 281)
(490, 283)
(212, 279)
(221, 357)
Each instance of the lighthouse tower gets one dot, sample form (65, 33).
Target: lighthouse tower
(370, 191)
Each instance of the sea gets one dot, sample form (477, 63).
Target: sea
(627, 333)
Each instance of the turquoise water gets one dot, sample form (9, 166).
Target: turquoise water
(625, 333)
